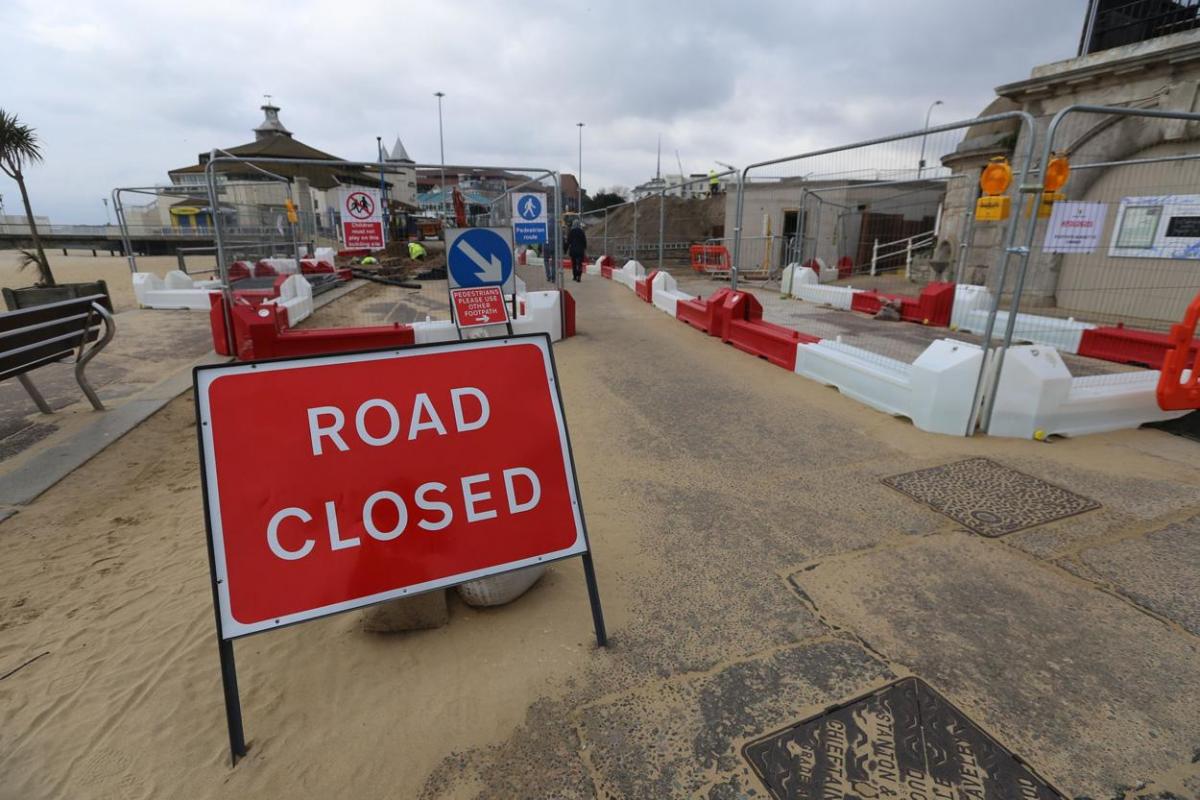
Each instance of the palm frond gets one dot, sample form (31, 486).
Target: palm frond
(18, 141)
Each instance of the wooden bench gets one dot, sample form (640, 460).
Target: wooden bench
(33, 337)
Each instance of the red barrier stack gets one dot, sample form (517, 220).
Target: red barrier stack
(643, 287)
(743, 327)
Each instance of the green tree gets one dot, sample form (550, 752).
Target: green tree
(18, 147)
(603, 199)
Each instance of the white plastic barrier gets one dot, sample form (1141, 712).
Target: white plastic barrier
(972, 304)
(1036, 396)
(803, 283)
(283, 266)
(594, 267)
(935, 391)
(327, 254)
(665, 292)
(176, 291)
(296, 298)
(629, 274)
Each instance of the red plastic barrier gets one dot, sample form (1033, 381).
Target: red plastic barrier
(744, 328)
(521, 257)
(709, 258)
(703, 315)
(845, 266)
(1173, 392)
(643, 288)
(568, 314)
(262, 332)
(311, 266)
(239, 270)
(1130, 346)
(606, 271)
(933, 307)
(264, 270)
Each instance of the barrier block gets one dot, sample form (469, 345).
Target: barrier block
(1179, 388)
(942, 381)
(643, 287)
(1037, 393)
(665, 293)
(239, 270)
(569, 314)
(743, 327)
(312, 266)
(293, 295)
(803, 283)
(934, 306)
(176, 291)
(1130, 346)
(606, 271)
(629, 274)
(703, 314)
(845, 267)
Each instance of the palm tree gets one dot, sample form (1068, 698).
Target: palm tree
(19, 146)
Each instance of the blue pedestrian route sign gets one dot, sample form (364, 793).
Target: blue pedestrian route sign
(480, 257)
(529, 218)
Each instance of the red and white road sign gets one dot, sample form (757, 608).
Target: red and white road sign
(333, 482)
(482, 305)
(362, 219)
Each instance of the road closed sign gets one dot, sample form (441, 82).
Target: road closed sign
(338, 481)
(362, 219)
(479, 306)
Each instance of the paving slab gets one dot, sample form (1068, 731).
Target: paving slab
(1160, 570)
(1092, 692)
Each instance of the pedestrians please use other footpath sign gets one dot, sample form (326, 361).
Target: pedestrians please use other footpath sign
(334, 482)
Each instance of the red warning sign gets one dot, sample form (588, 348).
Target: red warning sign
(481, 305)
(333, 482)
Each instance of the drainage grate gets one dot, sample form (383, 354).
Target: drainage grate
(990, 498)
(903, 741)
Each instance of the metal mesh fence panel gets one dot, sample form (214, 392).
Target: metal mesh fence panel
(1114, 259)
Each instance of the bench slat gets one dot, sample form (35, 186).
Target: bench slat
(25, 317)
(22, 359)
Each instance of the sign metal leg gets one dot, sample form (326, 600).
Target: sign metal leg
(589, 574)
(233, 703)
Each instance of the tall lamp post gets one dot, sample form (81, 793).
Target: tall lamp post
(579, 181)
(921, 163)
(442, 151)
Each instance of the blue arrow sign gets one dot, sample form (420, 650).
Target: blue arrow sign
(480, 257)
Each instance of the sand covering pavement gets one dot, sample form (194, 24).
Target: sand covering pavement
(753, 567)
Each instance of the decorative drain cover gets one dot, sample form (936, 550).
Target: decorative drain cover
(990, 498)
(904, 741)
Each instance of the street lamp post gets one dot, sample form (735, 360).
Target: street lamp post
(442, 151)
(921, 162)
(107, 217)
(579, 181)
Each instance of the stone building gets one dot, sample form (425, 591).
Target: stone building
(1161, 72)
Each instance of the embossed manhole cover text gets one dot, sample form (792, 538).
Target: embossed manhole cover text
(989, 498)
(904, 741)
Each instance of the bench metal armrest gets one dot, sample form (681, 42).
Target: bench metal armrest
(86, 354)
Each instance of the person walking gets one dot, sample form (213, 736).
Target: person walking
(577, 249)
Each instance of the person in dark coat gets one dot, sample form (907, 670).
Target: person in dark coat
(577, 249)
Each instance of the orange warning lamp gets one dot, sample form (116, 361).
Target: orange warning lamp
(996, 176)
(291, 211)
(1058, 169)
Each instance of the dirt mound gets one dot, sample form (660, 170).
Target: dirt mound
(687, 220)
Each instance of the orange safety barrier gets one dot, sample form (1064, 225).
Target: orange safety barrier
(710, 258)
(1174, 393)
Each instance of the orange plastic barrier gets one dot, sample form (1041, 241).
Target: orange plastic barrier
(1173, 392)
(710, 258)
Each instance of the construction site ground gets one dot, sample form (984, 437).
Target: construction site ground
(754, 568)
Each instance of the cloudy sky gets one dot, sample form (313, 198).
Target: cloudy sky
(121, 91)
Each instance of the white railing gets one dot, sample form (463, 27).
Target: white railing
(907, 246)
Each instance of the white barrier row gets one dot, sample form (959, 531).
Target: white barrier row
(629, 274)
(935, 391)
(973, 304)
(296, 298)
(665, 292)
(803, 283)
(176, 290)
(1037, 397)
(540, 312)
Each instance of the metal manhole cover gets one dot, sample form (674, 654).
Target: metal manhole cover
(902, 741)
(989, 498)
